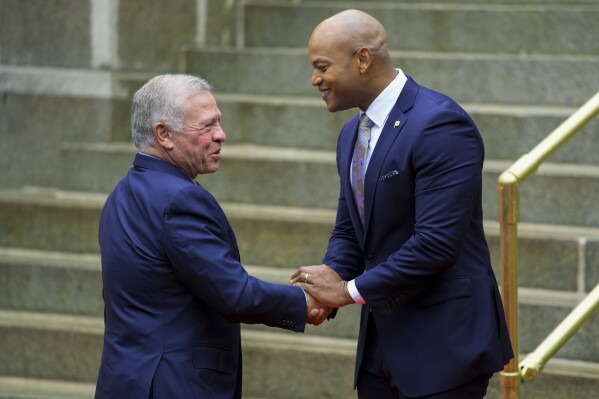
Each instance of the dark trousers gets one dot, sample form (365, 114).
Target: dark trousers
(374, 380)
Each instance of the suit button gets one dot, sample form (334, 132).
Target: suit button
(369, 258)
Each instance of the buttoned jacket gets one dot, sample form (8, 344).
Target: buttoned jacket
(421, 261)
(175, 290)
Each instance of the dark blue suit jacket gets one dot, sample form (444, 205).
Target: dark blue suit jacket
(421, 261)
(174, 290)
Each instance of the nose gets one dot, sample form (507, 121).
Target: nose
(316, 78)
(219, 135)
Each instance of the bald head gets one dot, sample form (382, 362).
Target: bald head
(353, 29)
(350, 60)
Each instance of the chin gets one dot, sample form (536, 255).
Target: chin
(336, 108)
(332, 107)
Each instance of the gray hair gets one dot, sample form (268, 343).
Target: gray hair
(162, 99)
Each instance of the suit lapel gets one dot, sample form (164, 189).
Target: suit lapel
(346, 152)
(395, 123)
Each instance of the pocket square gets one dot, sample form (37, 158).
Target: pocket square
(389, 175)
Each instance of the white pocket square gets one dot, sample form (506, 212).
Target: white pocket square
(389, 175)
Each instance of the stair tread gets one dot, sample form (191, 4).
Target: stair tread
(280, 275)
(260, 50)
(254, 338)
(95, 325)
(56, 197)
(33, 388)
(305, 100)
(248, 151)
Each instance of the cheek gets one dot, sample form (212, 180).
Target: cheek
(202, 147)
(196, 144)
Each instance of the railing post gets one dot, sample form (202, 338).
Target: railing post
(508, 242)
(509, 213)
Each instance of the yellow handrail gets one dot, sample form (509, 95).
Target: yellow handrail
(533, 363)
(509, 213)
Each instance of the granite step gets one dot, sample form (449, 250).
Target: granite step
(69, 101)
(226, 25)
(295, 177)
(560, 379)
(58, 347)
(93, 34)
(468, 28)
(71, 284)
(505, 3)
(510, 79)
(53, 220)
(303, 122)
(34, 388)
(45, 350)
(43, 105)
(508, 131)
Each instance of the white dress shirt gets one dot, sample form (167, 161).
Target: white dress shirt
(378, 112)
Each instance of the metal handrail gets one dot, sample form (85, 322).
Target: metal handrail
(533, 363)
(509, 213)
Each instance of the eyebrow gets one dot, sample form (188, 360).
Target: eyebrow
(211, 120)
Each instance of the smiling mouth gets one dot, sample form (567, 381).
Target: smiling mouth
(325, 93)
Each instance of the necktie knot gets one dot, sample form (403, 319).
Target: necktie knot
(365, 121)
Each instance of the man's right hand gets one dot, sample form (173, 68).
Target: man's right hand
(317, 312)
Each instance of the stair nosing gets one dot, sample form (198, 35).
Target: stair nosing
(433, 6)
(316, 101)
(95, 325)
(280, 275)
(252, 152)
(44, 388)
(397, 54)
(57, 198)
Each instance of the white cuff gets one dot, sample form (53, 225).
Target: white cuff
(355, 294)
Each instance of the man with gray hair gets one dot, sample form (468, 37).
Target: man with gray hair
(173, 285)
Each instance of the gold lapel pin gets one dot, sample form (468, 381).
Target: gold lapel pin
(396, 124)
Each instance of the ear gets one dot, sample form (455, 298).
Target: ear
(162, 136)
(364, 58)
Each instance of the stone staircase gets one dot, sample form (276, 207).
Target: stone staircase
(520, 67)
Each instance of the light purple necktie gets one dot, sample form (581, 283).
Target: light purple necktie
(358, 165)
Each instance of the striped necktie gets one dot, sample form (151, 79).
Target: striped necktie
(358, 166)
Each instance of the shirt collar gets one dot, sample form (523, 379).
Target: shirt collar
(380, 108)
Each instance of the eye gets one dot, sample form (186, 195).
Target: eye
(210, 125)
(321, 67)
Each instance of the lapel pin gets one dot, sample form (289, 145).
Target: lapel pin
(396, 124)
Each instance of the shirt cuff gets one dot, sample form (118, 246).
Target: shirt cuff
(355, 294)
(305, 296)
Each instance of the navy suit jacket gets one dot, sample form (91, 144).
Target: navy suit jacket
(175, 290)
(421, 261)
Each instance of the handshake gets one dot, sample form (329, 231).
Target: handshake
(324, 289)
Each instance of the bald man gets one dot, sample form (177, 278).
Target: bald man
(408, 242)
